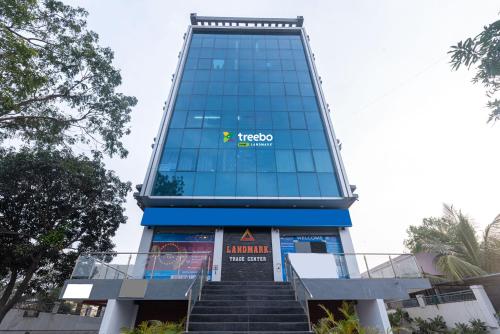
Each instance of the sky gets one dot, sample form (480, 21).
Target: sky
(414, 133)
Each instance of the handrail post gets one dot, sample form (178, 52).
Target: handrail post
(128, 265)
(367, 269)
(188, 310)
(153, 269)
(392, 265)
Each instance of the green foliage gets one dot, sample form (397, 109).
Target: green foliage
(57, 85)
(53, 206)
(156, 327)
(400, 321)
(430, 326)
(349, 324)
(454, 240)
(475, 326)
(483, 51)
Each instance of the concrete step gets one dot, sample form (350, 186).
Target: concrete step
(247, 310)
(242, 283)
(248, 326)
(246, 332)
(248, 318)
(245, 291)
(248, 303)
(205, 296)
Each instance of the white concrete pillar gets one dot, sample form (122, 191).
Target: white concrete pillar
(217, 260)
(141, 260)
(348, 247)
(118, 314)
(420, 300)
(372, 313)
(276, 246)
(484, 303)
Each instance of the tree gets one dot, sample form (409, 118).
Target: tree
(57, 85)
(484, 52)
(53, 206)
(454, 240)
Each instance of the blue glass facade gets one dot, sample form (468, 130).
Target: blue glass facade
(246, 122)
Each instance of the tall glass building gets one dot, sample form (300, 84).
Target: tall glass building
(245, 188)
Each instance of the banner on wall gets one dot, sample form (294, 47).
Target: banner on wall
(180, 255)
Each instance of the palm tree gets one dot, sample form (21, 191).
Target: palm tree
(454, 240)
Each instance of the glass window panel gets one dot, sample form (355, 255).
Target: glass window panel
(263, 120)
(271, 44)
(191, 138)
(245, 103)
(217, 75)
(209, 138)
(218, 64)
(266, 161)
(280, 120)
(186, 88)
(294, 103)
(187, 160)
(229, 120)
(308, 185)
(197, 102)
(261, 76)
(208, 42)
(313, 120)
(200, 88)
(262, 88)
(287, 65)
(194, 119)
(225, 184)
(246, 76)
(297, 120)
(207, 160)
(275, 76)
(285, 54)
(195, 41)
(212, 119)
(262, 103)
(230, 89)
(246, 184)
(277, 89)
(188, 75)
(230, 103)
(303, 76)
(300, 139)
(231, 76)
(204, 64)
(292, 89)
(178, 119)
(169, 160)
(246, 120)
(216, 88)
(304, 161)
(285, 161)
(245, 88)
(202, 75)
(246, 161)
(213, 102)
(219, 53)
(204, 184)
(183, 183)
(278, 103)
(226, 161)
(246, 64)
(282, 139)
(287, 185)
(322, 161)
(306, 90)
(318, 139)
(328, 185)
(290, 76)
(174, 138)
(221, 42)
(267, 184)
(182, 102)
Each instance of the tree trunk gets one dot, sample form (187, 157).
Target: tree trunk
(7, 304)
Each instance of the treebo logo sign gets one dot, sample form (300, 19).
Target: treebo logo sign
(249, 140)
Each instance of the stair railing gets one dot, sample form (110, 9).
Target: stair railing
(193, 293)
(302, 293)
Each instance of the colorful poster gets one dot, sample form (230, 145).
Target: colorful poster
(180, 255)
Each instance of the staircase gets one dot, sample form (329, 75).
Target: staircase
(248, 307)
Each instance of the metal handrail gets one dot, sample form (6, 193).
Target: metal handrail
(202, 276)
(293, 272)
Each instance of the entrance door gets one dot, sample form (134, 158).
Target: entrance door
(247, 255)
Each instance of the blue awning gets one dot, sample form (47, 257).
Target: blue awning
(245, 217)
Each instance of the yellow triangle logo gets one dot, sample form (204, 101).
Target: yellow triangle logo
(247, 236)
